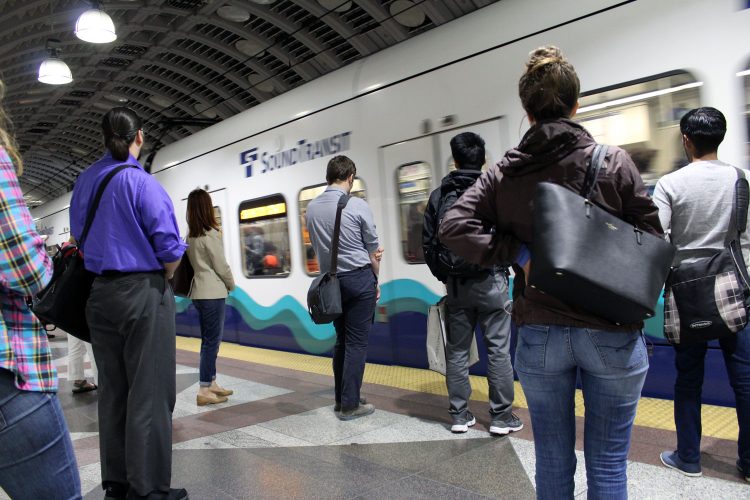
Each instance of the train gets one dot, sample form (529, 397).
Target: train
(642, 64)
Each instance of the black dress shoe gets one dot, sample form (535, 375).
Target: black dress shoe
(115, 491)
(174, 494)
(337, 406)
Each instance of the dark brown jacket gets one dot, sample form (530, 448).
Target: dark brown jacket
(490, 221)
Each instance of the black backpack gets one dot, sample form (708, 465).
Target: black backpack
(442, 262)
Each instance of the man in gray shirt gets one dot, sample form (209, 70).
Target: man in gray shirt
(358, 266)
(695, 207)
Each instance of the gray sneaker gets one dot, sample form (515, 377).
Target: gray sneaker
(461, 423)
(500, 427)
(359, 411)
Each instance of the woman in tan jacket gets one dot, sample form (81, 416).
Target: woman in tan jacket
(211, 283)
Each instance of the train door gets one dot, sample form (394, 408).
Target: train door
(492, 131)
(408, 175)
(410, 171)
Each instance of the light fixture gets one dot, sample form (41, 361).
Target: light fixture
(234, 14)
(53, 70)
(95, 26)
(407, 13)
(261, 83)
(744, 73)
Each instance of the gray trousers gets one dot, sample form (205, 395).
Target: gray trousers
(471, 302)
(132, 323)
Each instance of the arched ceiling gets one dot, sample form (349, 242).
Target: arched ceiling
(177, 62)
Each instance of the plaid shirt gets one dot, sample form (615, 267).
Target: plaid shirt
(25, 269)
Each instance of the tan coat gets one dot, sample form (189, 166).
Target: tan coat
(213, 278)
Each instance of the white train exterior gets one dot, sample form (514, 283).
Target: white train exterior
(641, 63)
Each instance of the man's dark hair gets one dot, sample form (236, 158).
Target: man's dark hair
(468, 151)
(339, 169)
(705, 127)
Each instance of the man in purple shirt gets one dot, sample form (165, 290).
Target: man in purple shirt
(133, 245)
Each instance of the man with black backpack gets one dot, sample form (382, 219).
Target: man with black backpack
(475, 296)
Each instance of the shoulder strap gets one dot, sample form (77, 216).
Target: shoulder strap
(95, 204)
(343, 200)
(592, 172)
(738, 221)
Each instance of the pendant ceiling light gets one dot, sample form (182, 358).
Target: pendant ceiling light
(53, 70)
(95, 26)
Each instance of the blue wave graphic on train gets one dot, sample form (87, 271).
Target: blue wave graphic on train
(398, 335)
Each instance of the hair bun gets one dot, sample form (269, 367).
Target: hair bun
(543, 56)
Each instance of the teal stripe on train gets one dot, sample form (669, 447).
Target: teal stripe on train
(398, 296)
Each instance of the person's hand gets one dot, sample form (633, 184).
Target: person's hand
(377, 293)
(379, 253)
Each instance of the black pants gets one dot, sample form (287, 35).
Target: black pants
(132, 323)
(358, 293)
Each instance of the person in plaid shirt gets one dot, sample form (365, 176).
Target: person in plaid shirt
(37, 459)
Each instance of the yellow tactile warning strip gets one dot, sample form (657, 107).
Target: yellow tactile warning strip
(718, 421)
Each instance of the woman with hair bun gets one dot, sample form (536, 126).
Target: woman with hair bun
(557, 342)
(133, 246)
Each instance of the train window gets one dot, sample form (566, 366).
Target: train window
(305, 197)
(414, 182)
(264, 236)
(644, 119)
(217, 214)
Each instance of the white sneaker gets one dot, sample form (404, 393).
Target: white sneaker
(462, 424)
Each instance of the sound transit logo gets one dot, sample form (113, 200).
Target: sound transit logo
(261, 163)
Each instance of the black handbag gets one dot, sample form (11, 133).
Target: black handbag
(591, 260)
(182, 281)
(708, 299)
(324, 295)
(62, 303)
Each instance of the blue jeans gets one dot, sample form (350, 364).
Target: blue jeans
(612, 367)
(689, 360)
(37, 459)
(358, 292)
(211, 315)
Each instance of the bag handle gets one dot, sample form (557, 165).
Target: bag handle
(343, 200)
(592, 172)
(95, 205)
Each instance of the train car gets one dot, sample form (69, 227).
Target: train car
(642, 65)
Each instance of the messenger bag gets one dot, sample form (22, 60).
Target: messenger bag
(708, 299)
(324, 295)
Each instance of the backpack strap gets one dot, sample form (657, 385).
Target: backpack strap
(343, 200)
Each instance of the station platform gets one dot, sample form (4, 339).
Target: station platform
(278, 437)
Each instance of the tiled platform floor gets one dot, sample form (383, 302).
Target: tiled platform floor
(278, 437)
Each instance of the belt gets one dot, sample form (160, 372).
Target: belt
(117, 274)
(362, 268)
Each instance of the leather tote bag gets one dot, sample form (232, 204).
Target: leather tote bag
(62, 303)
(324, 295)
(589, 259)
(182, 281)
(708, 299)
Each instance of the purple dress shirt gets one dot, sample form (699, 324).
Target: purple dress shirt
(135, 229)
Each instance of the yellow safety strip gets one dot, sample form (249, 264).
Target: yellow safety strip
(718, 421)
